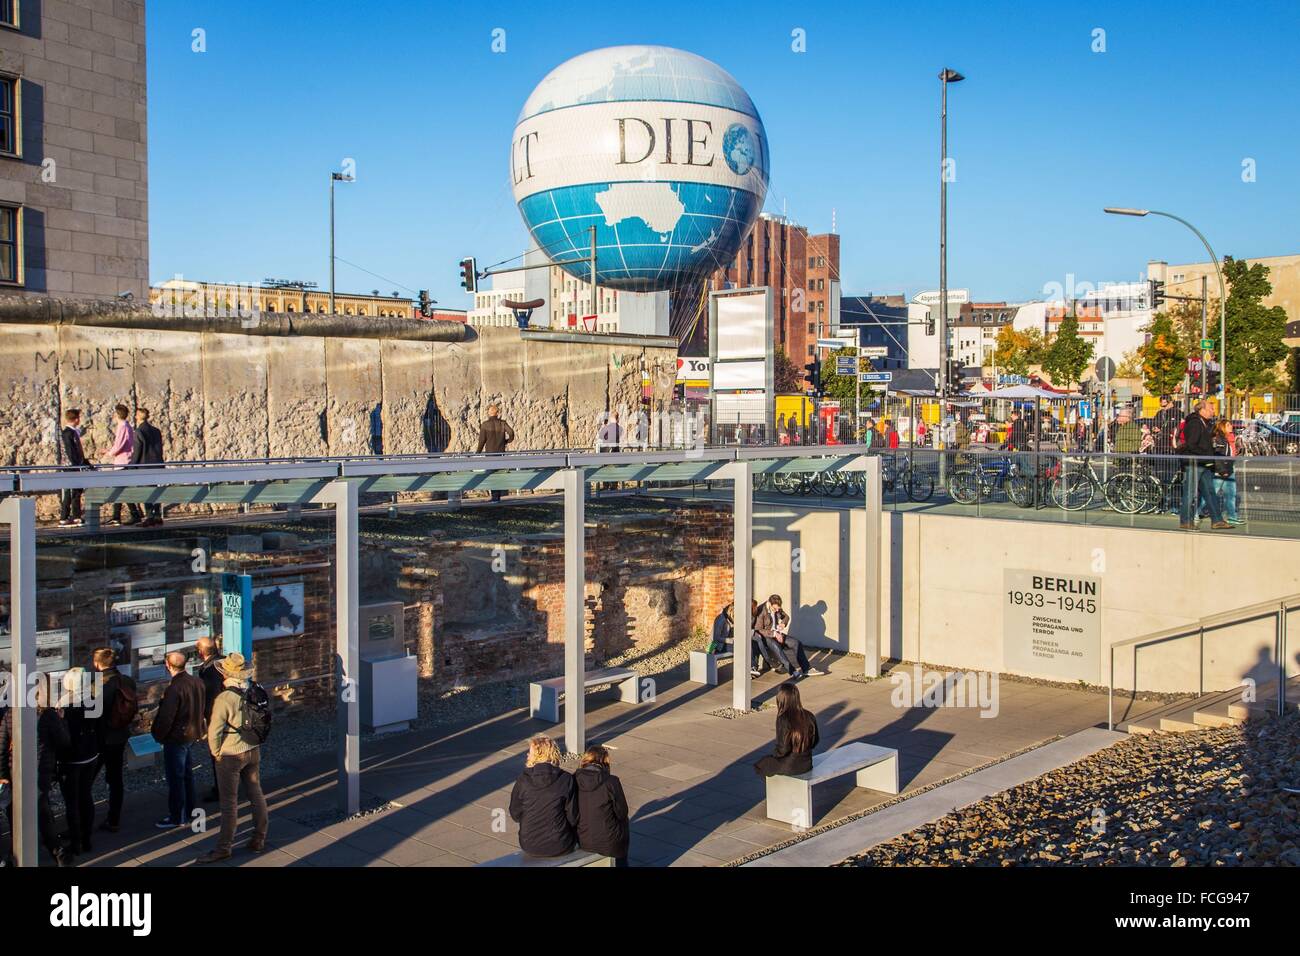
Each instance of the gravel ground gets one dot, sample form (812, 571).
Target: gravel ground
(1206, 798)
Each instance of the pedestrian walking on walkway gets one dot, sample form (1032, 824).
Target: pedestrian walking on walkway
(493, 437)
(120, 706)
(79, 760)
(120, 451)
(74, 456)
(147, 450)
(1198, 481)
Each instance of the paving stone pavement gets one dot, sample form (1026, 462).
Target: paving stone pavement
(688, 776)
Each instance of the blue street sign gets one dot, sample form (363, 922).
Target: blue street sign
(845, 366)
(877, 377)
(1085, 410)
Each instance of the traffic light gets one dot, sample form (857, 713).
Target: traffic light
(955, 375)
(469, 274)
(813, 372)
(425, 303)
(1156, 293)
(929, 323)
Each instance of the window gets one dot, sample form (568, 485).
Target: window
(10, 116)
(9, 13)
(11, 255)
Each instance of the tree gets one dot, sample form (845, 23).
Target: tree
(786, 377)
(1130, 365)
(1018, 349)
(1254, 331)
(1164, 361)
(1068, 355)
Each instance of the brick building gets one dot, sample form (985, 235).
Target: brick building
(799, 267)
(73, 165)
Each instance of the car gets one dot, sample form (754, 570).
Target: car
(1285, 439)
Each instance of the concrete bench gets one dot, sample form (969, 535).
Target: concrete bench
(704, 666)
(789, 798)
(576, 858)
(544, 695)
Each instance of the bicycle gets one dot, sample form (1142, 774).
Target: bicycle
(972, 483)
(917, 485)
(1127, 491)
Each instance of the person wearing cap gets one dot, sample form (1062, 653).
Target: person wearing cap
(238, 757)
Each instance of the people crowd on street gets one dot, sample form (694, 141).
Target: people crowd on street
(140, 444)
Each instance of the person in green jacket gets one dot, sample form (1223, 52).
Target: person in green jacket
(1127, 439)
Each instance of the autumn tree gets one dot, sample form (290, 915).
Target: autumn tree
(1163, 357)
(1017, 349)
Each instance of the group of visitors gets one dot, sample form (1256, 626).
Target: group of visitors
(138, 444)
(558, 811)
(771, 645)
(880, 434)
(77, 736)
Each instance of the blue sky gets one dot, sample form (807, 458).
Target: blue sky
(1044, 131)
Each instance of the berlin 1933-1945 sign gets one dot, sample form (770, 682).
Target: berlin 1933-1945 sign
(1051, 625)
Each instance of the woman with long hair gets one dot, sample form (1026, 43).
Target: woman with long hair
(1227, 446)
(796, 735)
(602, 807)
(544, 802)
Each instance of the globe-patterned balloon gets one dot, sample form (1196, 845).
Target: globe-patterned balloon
(659, 149)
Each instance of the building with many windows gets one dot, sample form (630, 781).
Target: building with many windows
(73, 151)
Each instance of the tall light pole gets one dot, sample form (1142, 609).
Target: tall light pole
(334, 178)
(946, 76)
(1223, 295)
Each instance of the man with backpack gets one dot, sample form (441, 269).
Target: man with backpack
(178, 723)
(121, 704)
(240, 723)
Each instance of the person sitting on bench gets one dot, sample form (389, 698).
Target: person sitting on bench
(773, 626)
(602, 808)
(724, 630)
(544, 802)
(796, 736)
(761, 658)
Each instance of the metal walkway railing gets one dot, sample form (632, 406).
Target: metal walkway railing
(1277, 609)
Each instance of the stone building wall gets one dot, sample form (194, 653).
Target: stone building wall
(81, 178)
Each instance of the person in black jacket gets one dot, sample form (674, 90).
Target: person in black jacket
(1198, 480)
(147, 450)
(214, 682)
(178, 723)
(602, 808)
(80, 759)
(796, 736)
(74, 456)
(544, 802)
(51, 738)
(1017, 434)
(493, 436)
(112, 738)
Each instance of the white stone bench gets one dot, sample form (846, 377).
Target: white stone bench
(544, 695)
(789, 798)
(576, 858)
(704, 666)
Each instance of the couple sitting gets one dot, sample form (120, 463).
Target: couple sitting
(770, 645)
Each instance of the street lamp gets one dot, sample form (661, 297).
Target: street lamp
(1223, 292)
(946, 76)
(335, 178)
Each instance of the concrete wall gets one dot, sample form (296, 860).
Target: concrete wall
(218, 396)
(944, 589)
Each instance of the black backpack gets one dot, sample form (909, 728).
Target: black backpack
(255, 708)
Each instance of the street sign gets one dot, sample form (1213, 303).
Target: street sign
(1105, 368)
(832, 344)
(874, 351)
(876, 377)
(846, 366)
(1207, 344)
(1085, 410)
